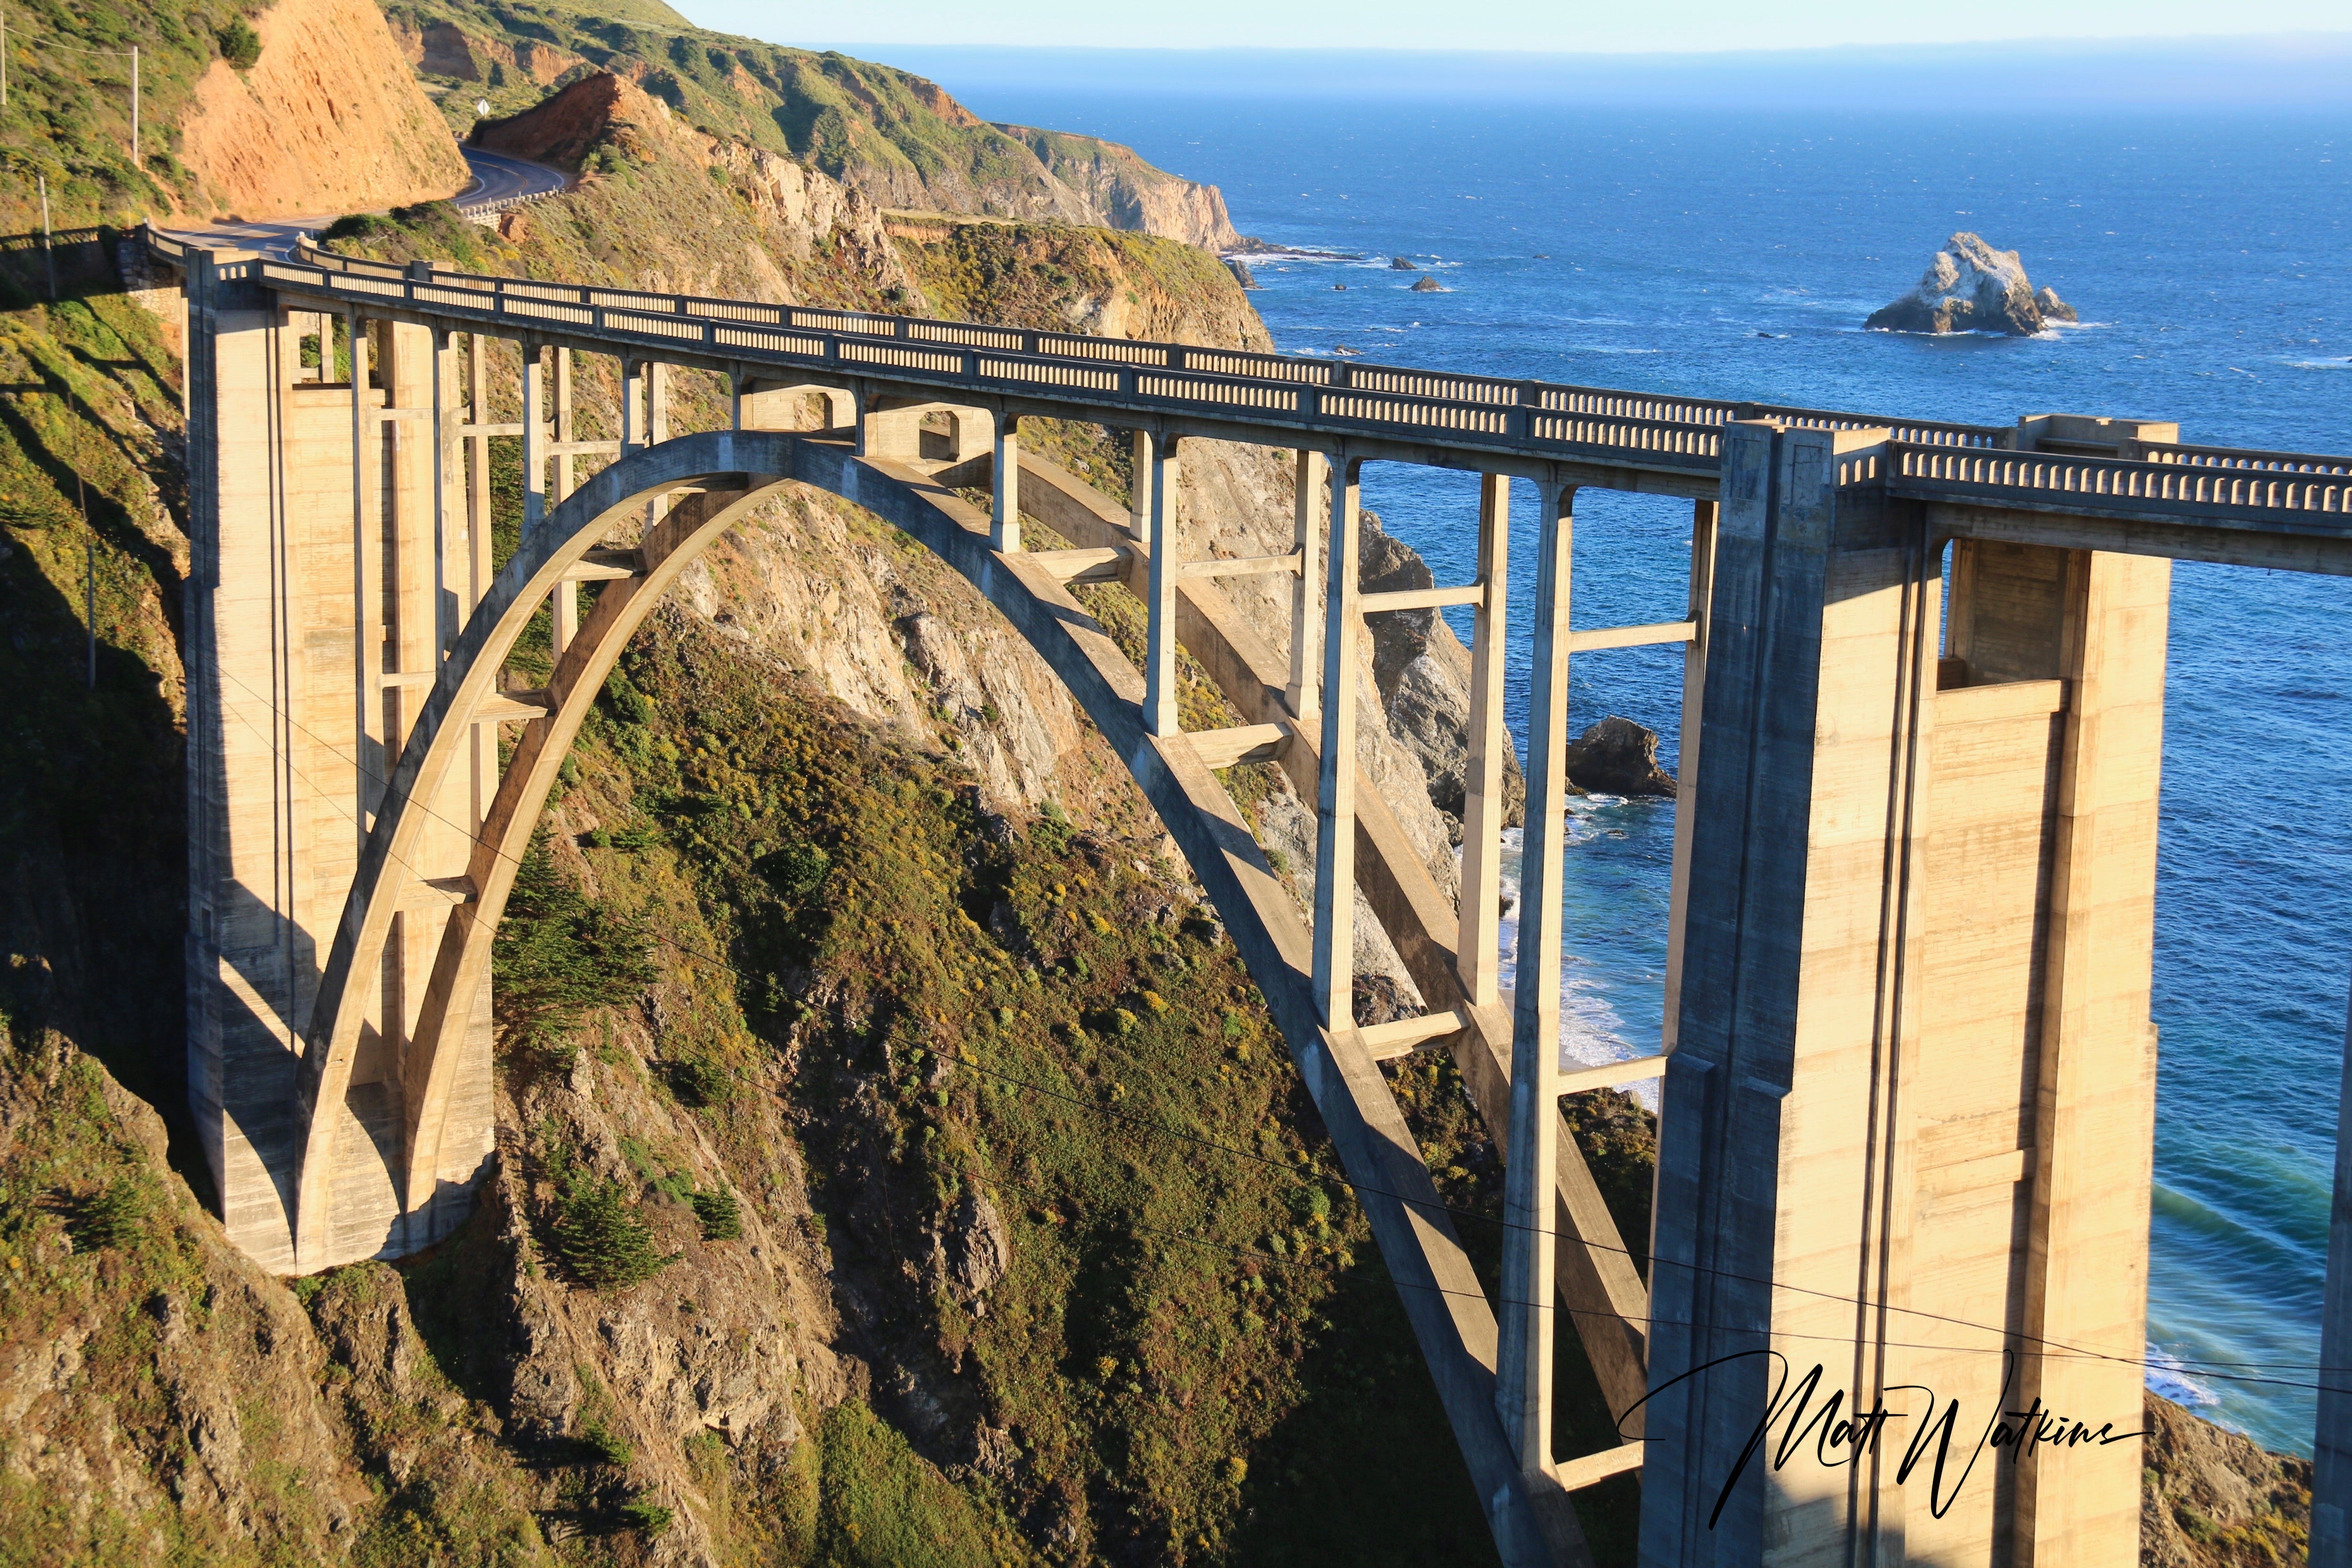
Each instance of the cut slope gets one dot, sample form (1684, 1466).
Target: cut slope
(327, 120)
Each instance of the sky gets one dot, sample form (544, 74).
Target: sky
(1671, 27)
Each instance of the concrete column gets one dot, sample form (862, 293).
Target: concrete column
(483, 772)
(1335, 803)
(246, 679)
(1776, 1161)
(632, 405)
(1477, 956)
(1306, 693)
(367, 583)
(566, 597)
(1004, 513)
(1528, 1309)
(563, 470)
(1139, 494)
(535, 439)
(2090, 1160)
(2331, 1481)
(1701, 606)
(1160, 660)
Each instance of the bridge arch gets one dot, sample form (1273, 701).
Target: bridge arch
(728, 473)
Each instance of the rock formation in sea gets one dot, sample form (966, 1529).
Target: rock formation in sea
(1429, 286)
(1241, 274)
(1400, 264)
(1618, 756)
(1969, 287)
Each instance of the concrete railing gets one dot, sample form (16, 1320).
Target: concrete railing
(2096, 484)
(1284, 397)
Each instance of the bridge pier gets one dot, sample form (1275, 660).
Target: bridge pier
(1909, 1114)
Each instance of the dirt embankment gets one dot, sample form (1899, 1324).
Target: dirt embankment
(329, 120)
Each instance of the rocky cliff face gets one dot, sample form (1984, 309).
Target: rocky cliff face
(1127, 193)
(327, 120)
(1969, 287)
(901, 141)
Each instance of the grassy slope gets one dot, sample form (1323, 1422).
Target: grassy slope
(69, 114)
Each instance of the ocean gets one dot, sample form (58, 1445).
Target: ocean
(1735, 253)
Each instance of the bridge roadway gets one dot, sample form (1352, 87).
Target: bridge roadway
(2132, 490)
(1914, 865)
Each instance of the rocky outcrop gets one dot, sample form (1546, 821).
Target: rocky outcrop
(329, 120)
(1119, 190)
(1969, 287)
(1401, 264)
(767, 227)
(1428, 286)
(2212, 1499)
(1618, 756)
(440, 47)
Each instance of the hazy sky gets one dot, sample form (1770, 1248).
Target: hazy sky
(1671, 25)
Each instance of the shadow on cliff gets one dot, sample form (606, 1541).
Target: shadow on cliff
(92, 807)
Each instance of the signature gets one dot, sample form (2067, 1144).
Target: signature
(1840, 1432)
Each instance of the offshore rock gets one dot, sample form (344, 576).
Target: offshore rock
(1429, 286)
(1398, 264)
(2053, 309)
(1618, 756)
(1241, 274)
(1968, 288)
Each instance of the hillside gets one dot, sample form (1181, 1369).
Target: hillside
(895, 138)
(896, 1167)
(317, 119)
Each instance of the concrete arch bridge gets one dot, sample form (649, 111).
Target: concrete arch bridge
(1907, 1064)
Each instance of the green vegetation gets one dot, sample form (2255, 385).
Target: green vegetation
(598, 1231)
(557, 955)
(240, 46)
(69, 113)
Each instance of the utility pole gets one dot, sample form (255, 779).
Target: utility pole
(135, 106)
(4, 57)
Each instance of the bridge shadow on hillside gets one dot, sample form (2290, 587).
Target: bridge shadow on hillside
(92, 797)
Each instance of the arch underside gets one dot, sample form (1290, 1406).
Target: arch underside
(727, 474)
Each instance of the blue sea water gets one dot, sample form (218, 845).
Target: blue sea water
(1736, 254)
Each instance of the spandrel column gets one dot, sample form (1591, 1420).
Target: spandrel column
(1335, 805)
(1529, 1312)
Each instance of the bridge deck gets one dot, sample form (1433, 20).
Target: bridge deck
(1609, 437)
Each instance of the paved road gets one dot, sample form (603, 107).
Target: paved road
(499, 181)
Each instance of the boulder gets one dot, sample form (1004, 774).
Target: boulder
(1968, 288)
(1618, 756)
(2053, 309)
(1428, 286)
(1398, 264)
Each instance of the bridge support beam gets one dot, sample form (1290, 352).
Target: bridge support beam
(1913, 1028)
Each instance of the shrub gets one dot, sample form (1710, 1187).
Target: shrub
(557, 955)
(600, 1236)
(722, 1217)
(606, 1445)
(114, 1217)
(240, 46)
(647, 1519)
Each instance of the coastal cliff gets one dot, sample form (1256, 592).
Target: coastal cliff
(849, 1009)
(899, 140)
